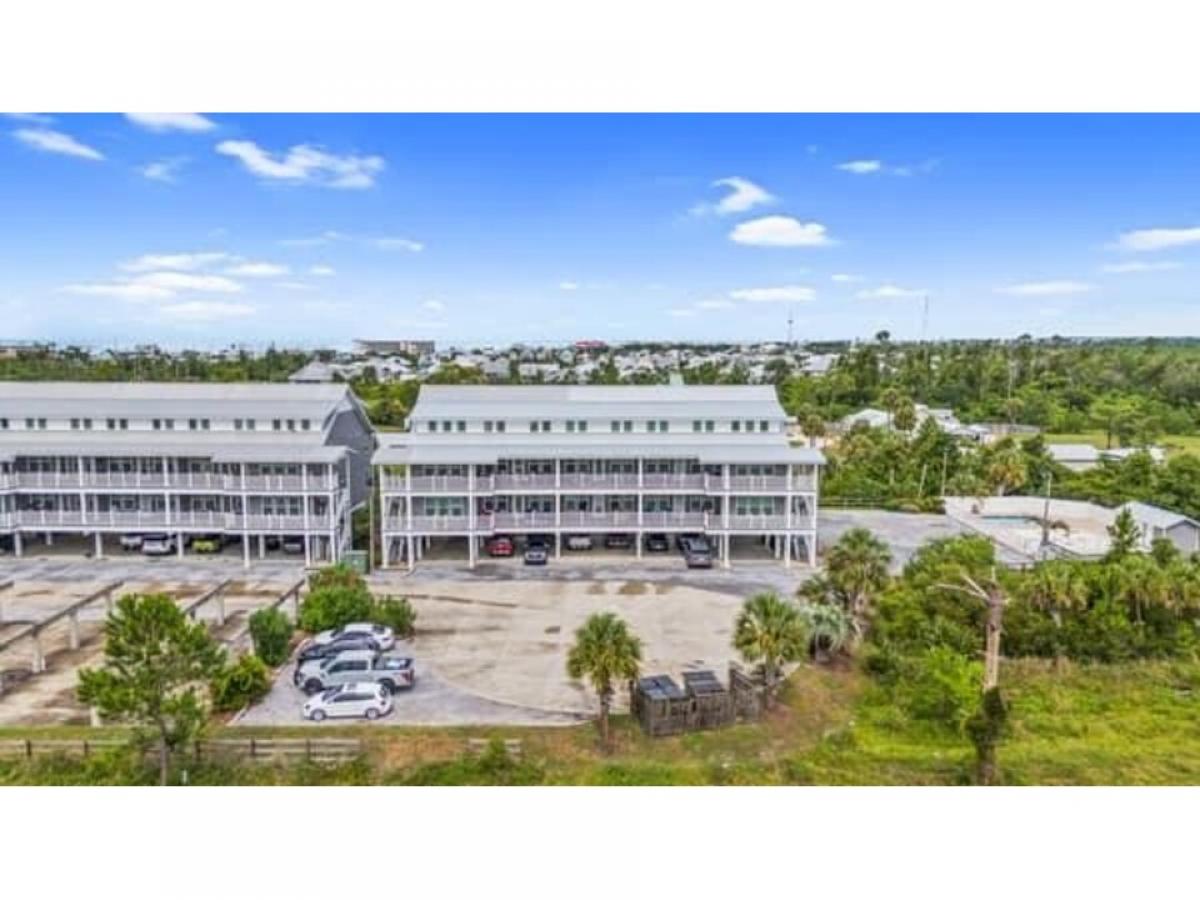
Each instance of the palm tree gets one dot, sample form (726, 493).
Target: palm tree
(828, 628)
(858, 569)
(770, 630)
(1055, 587)
(605, 652)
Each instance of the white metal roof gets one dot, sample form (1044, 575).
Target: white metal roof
(270, 447)
(1073, 452)
(146, 399)
(481, 452)
(1156, 516)
(597, 401)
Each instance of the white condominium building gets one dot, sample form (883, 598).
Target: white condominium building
(557, 460)
(257, 463)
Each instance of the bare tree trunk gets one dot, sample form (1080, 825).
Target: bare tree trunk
(991, 650)
(604, 734)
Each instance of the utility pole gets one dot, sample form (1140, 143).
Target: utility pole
(1046, 517)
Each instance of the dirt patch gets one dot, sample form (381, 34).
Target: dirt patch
(597, 587)
(554, 629)
(632, 588)
(663, 587)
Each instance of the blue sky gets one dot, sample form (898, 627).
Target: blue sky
(205, 230)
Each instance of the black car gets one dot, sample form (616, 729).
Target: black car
(618, 541)
(354, 641)
(694, 543)
(657, 543)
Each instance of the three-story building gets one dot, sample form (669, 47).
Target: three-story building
(478, 461)
(255, 463)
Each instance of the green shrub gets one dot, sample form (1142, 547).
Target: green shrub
(240, 684)
(941, 687)
(271, 632)
(397, 613)
(337, 595)
(492, 767)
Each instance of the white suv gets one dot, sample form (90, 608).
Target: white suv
(360, 699)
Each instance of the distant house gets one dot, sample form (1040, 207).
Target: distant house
(873, 418)
(315, 372)
(1076, 457)
(368, 347)
(1120, 454)
(1155, 522)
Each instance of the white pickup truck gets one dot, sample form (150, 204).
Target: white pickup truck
(393, 672)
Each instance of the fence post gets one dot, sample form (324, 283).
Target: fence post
(253, 750)
(28, 748)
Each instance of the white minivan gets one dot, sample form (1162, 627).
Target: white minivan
(357, 700)
(158, 544)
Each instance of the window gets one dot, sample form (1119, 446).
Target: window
(500, 426)
(250, 423)
(735, 425)
(446, 425)
(749, 425)
(579, 425)
(191, 424)
(662, 425)
(583, 424)
(764, 425)
(87, 424)
(695, 424)
(123, 423)
(570, 425)
(41, 424)
(169, 424)
(111, 424)
(546, 425)
(74, 424)
(3, 424)
(709, 425)
(651, 425)
(306, 424)
(276, 424)
(237, 424)
(431, 426)
(29, 424)
(461, 426)
(156, 424)
(616, 426)
(291, 423)
(487, 425)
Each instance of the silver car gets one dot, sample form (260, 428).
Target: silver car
(384, 636)
(356, 700)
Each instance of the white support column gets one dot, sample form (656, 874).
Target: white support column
(471, 551)
(385, 542)
(17, 548)
(179, 544)
(262, 546)
(811, 542)
(725, 541)
(39, 658)
(307, 549)
(245, 550)
(99, 545)
(82, 495)
(558, 545)
(787, 551)
(73, 630)
(409, 552)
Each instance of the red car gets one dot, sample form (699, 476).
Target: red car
(499, 546)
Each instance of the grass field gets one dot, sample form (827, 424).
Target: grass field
(1173, 443)
(1122, 724)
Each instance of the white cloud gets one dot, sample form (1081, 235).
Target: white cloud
(716, 304)
(322, 271)
(162, 170)
(124, 290)
(181, 261)
(398, 243)
(568, 285)
(50, 141)
(861, 166)
(187, 281)
(1138, 266)
(680, 312)
(743, 195)
(844, 278)
(206, 311)
(190, 122)
(1158, 238)
(304, 164)
(325, 237)
(1045, 288)
(36, 118)
(257, 270)
(889, 292)
(790, 293)
(433, 305)
(780, 231)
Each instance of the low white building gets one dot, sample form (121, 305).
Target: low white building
(1156, 522)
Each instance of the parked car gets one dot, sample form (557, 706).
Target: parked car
(499, 545)
(158, 544)
(207, 543)
(657, 543)
(272, 542)
(391, 672)
(618, 541)
(694, 543)
(361, 641)
(579, 542)
(353, 700)
(131, 542)
(384, 636)
(536, 554)
(293, 544)
(698, 559)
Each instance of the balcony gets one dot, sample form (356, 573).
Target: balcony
(588, 521)
(503, 521)
(674, 520)
(132, 520)
(763, 522)
(285, 484)
(610, 481)
(666, 481)
(511, 482)
(273, 522)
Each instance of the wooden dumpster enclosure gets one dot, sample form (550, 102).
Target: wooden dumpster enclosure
(662, 707)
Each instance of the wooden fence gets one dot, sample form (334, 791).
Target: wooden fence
(288, 750)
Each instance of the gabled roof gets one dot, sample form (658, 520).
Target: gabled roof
(597, 401)
(1156, 516)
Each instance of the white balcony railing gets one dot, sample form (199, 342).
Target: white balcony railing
(175, 481)
(524, 482)
(764, 522)
(673, 520)
(502, 521)
(691, 481)
(144, 519)
(610, 481)
(599, 520)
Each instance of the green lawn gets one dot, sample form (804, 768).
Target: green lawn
(1174, 443)
(1137, 723)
